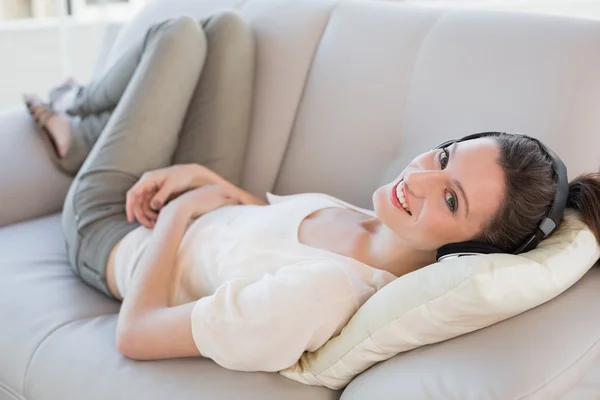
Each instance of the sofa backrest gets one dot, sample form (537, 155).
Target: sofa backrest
(348, 92)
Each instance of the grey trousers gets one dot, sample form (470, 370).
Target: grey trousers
(182, 94)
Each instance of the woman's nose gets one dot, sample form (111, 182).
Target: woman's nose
(420, 182)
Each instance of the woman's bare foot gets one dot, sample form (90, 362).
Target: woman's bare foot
(56, 125)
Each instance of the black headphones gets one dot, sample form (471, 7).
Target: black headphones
(546, 226)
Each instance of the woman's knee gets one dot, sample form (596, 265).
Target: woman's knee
(231, 49)
(229, 27)
(182, 26)
(182, 33)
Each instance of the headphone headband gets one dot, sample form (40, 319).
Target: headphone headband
(546, 226)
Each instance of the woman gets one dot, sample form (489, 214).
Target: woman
(214, 271)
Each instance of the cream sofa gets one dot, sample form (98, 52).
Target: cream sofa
(347, 93)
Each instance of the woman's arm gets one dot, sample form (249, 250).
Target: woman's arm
(247, 324)
(158, 187)
(148, 328)
(244, 196)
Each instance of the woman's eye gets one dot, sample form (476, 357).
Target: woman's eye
(444, 156)
(451, 201)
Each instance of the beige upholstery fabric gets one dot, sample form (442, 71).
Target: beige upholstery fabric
(347, 92)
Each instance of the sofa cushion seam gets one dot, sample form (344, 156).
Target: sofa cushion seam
(560, 373)
(44, 339)
(16, 395)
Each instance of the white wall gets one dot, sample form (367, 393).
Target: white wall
(31, 57)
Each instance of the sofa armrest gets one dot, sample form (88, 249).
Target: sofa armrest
(30, 185)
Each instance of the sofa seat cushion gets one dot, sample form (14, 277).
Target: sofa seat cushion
(57, 329)
(39, 294)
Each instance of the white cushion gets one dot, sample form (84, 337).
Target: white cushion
(448, 299)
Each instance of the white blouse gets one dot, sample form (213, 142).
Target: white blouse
(262, 297)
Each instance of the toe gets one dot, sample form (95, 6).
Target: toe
(37, 112)
(41, 114)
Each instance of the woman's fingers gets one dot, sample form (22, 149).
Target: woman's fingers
(137, 205)
(130, 202)
(135, 198)
(142, 218)
(159, 199)
(151, 215)
(148, 182)
(139, 215)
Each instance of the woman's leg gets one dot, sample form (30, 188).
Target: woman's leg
(67, 139)
(82, 134)
(216, 126)
(73, 138)
(74, 119)
(141, 135)
(104, 92)
(217, 122)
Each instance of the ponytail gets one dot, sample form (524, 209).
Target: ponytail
(584, 197)
(530, 190)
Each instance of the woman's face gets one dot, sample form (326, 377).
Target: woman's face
(450, 195)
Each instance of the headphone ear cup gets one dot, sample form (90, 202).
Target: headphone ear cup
(469, 248)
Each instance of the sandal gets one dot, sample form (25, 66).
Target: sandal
(40, 123)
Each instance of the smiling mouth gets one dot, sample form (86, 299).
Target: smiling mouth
(399, 197)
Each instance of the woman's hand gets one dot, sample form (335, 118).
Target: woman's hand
(197, 202)
(243, 196)
(157, 187)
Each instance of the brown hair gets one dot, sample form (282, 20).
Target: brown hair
(530, 187)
